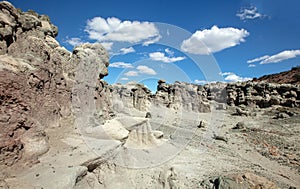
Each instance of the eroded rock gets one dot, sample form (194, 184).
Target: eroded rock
(36, 81)
(182, 96)
(262, 94)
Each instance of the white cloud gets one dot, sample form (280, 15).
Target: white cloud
(152, 40)
(120, 65)
(169, 52)
(113, 29)
(159, 56)
(200, 82)
(203, 82)
(146, 70)
(213, 40)
(141, 69)
(131, 73)
(249, 13)
(258, 59)
(124, 79)
(107, 45)
(127, 50)
(232, 77)
(284, 55)
(251, 65)
(74, 41)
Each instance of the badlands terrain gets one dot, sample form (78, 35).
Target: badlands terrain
(63, 126)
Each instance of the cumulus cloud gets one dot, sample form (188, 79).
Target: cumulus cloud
(213, 40)
(146, 70)
(127, 50)
(120, 65)
(200, 82)
(74, 41)
(232, 77)
(249, 13)
(131, 73)
(141, 69)
(284, 55)
(159, 56)
(113, 29)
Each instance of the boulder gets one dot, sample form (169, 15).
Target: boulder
(202, 124)
(239, 125)
(158, 134)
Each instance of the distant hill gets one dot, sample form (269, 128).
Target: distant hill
(292, 76)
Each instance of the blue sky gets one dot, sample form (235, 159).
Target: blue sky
(194, 41)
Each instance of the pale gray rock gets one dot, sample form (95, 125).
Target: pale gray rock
(3, 47)
(158, 134)
(215, 91)
(181, 96)
(29, 21)
(262, 94)
(239, 125)
(202, 124)
(241, 112)
(131, 95)
(36, 144)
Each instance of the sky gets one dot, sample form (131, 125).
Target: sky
(193, 41)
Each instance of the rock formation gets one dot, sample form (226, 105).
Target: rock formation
(292, 76)
(131, 96)
(54, 104)
(41, 82)
(34, 91)
(263, 94)
(216, 91)
(135, 96)
(182, 96)
(37, 76)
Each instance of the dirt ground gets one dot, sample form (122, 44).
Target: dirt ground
(188, 153)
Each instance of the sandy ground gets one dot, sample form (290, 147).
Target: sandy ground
(184, 156)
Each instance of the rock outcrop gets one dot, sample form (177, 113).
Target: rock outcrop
(129, 96)
(36, 80)
(42, 82)
(180, 95)
(34, 91)
(45, 90)
(132, 97)
(263, 94)
(292, 77)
